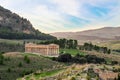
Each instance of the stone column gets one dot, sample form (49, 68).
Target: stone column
(48, 50)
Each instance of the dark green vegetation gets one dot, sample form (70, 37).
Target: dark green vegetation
(110, 58)
(63, 43)
(15, 65)
(14, 45)
(118, 77)
(116, 51)
(12, 26)
(11, 47)
(18, 45)
(86, 58)
(91, 74)
(82, 59)
(91, 47)
(1, 59)
(9, 34)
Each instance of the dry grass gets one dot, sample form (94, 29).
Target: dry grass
(12, 54)
(111, 44)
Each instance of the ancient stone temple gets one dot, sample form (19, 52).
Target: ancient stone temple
(46, 50)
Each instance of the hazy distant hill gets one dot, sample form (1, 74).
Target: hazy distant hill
(12, 26)
(106, 33)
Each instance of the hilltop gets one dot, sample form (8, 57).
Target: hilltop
(101, 34)
(12, 26)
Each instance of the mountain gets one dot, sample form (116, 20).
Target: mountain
(12, 26)
(106, 33)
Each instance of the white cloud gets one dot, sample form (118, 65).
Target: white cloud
(42, 18)
(52, 20)
(70, 7)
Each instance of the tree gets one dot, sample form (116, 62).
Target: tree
(9, 70)
(63, 43)
(73, 78)
(20, 64)
(109, 51)
(104, 49)
(90, 47)
(26, 59)
(1, 59)
(65, 57)
(75, 44)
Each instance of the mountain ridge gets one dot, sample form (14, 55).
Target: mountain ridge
(12, 26)
(105, 33)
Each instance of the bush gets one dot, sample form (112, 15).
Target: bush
(26, 59)
(65, 57)
(26, 72)
(54, 58)
(73, 78)
(20, 64)
(80, 59)
(9, 70)
(1, 59)
(2, 52)
(94, 59)
(114, 62)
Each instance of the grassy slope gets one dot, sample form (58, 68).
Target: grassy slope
(111, 44)
(36, 63)
(56, 74)
(39, 76)
(71, 51)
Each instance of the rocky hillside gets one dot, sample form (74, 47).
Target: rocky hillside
(12, 24)
(106, 33)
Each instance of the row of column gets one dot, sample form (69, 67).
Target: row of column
(53, 51)
(43, 51)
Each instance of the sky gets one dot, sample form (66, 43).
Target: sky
(67, 15)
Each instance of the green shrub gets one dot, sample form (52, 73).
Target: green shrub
(73, 78)
(26, 59)
(1, 59)
(9, 70)
(20, 64)
(24, 72)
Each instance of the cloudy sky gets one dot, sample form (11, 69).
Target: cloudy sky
(67, 15)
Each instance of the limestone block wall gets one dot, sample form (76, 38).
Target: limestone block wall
(49, 50)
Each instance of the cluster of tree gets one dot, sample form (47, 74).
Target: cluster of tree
(9, 34)
(63, 43)
(79, 59)
(10, 47)
(90, 47)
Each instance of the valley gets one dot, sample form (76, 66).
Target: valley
(53, 42)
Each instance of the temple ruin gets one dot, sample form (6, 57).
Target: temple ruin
(45, 50)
